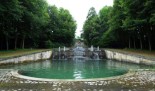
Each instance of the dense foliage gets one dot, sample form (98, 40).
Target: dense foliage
(34, 24)
(127, 24)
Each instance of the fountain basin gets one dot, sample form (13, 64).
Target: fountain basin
(17, 74)
(74, 69)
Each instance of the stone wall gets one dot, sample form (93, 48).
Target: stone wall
(129, 57)
(27, 58)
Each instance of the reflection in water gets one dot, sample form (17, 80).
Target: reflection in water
(77, 75)
(77, 69)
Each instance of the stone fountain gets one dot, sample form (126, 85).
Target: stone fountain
(78, 53)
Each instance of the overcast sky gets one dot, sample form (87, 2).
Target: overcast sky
(79, 8)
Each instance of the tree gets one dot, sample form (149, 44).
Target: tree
(104, 15)
(127, 24)
(90, 28)
(149, 9)
(34, 18)
(61, 27)
(115, 36)
(11, 13)
(33, 24)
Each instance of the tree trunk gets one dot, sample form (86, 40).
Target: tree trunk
(7, 43)
(149, 39)
(1, 43)
(16, 42)
(134, 43)
(23, 42)
(141, 44)
(129, 42)
(150, 44)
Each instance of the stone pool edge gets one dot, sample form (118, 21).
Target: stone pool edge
(15, 73)
(27, 57)
(127, 57)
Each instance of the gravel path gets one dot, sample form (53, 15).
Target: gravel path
(140, 80)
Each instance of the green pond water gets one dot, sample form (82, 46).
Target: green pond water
(74, 69)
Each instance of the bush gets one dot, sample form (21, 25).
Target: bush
(48, 44)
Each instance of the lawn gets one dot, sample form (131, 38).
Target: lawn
(11, 53)
(145, 53)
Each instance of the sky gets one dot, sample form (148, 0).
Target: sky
(79, 9)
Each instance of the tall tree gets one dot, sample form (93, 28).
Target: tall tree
(11, 13)
(104, 15)
(128, 24)
(89, 28)
(61, 27)
(35, 16)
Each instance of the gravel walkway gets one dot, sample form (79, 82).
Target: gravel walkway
(140, 80)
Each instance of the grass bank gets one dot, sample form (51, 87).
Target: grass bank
(145, 53)
(12, 53)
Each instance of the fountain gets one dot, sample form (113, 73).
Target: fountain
(98, 48)
(92, 49)
(64, 49)
(59, 53)
(78, 53)
(59, 49)
(96, 56)
(75, 63)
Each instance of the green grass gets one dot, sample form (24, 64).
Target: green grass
(145, 53)
(12, 53)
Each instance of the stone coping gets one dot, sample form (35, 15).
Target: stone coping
(140, 80)
(135, 55)
(16, 73)
(1, 59)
